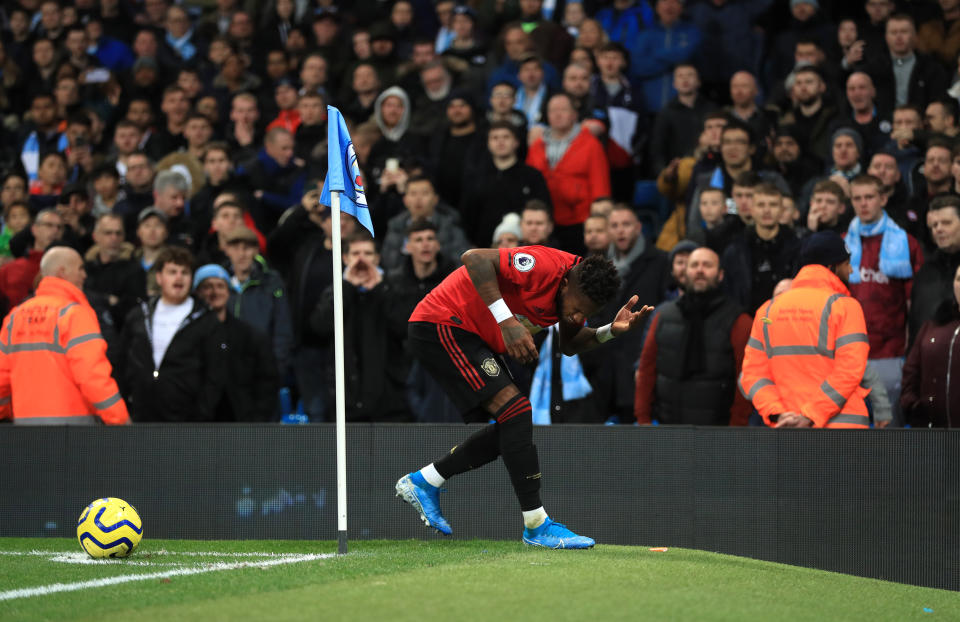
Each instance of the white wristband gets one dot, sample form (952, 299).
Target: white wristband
(605, 334)
(500, 310)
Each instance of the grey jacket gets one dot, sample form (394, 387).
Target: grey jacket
(453, 241)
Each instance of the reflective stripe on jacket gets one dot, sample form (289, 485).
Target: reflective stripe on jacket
(807, 353)
(53, 361)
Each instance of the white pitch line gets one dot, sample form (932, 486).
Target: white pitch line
(158, 552)
(45, 590)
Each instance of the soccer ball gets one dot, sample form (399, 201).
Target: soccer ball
(109, 527)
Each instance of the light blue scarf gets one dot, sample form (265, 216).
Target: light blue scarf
(894, 249)
(575, 384)
(183, 45)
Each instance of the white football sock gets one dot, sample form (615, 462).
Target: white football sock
(534, 518)
(430, 474)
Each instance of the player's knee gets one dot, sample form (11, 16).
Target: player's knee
(516, 426)
(496, 403)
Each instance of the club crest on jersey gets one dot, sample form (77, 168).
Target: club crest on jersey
(524, 262)
(490, 367)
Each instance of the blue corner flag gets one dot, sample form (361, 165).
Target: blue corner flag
(343, 172)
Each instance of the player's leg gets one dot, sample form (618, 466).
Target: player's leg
(468, 370)
(514, 418)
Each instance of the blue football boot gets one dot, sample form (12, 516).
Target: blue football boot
(553, 535)
(425, 499)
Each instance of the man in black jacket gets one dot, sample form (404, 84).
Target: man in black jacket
(933, 282)
(249, 390)
(422, 270)
(171, 371)
(111, 270)
(644, 270)
(904, 75)
(763, 255)
(375, 366)
(503, 184)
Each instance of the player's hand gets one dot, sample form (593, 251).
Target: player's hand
(793, 420)
(627, 319)
(518, 341)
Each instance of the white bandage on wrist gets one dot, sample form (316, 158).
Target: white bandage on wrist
(605, 333)
(500, 310)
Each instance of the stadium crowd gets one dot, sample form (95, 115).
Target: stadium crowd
(180, 146)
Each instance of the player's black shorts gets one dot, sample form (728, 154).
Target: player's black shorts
(466, 367)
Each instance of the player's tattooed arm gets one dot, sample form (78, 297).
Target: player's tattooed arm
(482, 265)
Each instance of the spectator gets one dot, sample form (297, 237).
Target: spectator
(644, 270)
(518, 47)
(53, 365)
(16, 218)
(536, 224)
(627, 20)
(872, 123)
(151, 239)
(883, 259)
(421, 202)
(942, 116)
(106, 188)
(795, 166)
(743, 95)
(197, 132)
(392, 114)
(112, 273)
(13, 189)
(127, 137)
(820, 389)
(678, 124)
(693, 354)
(171, 370)
(906, 140)
(828, 208)
(883, 166)
(905, 75)
(677, 260)
(503, 97)
(811, 115)
(620, 104)
(502, 184)
(428, 108)
(300, 248)
(227, 216)
(169, 196)
(285, 106)
(258, 295)
(845, 153)
(763, 254)
(719, 227)
(407, 285)
(935, 179)
(939, 37)
(933, 282)
(365, 85)
(277, 180)
(534, 92)
(660, 47)
(375, 371)
(575, 168)
(175, 107)
(17, 277)
(309, 141)
(926, 397)
(244, 133)
(249, 389)
(455, 148)
(507, 234)
(51, 176)
(596, 235)
(138, 186)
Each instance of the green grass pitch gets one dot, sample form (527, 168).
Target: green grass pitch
(51, 579)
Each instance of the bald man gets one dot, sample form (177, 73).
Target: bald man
(693, 354)
(53, 359)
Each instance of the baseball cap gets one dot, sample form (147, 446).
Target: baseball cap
(147, 212)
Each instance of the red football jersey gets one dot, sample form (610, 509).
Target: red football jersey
(529, 279)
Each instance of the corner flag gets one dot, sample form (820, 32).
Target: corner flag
(343, 172)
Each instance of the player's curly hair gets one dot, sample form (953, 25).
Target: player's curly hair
(597, 278)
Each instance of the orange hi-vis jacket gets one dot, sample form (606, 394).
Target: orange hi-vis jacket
(53, 361)
(807, 353)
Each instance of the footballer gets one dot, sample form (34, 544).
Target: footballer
(493, 305)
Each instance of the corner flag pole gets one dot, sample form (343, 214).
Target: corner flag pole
(342, 189)
(338, 364)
